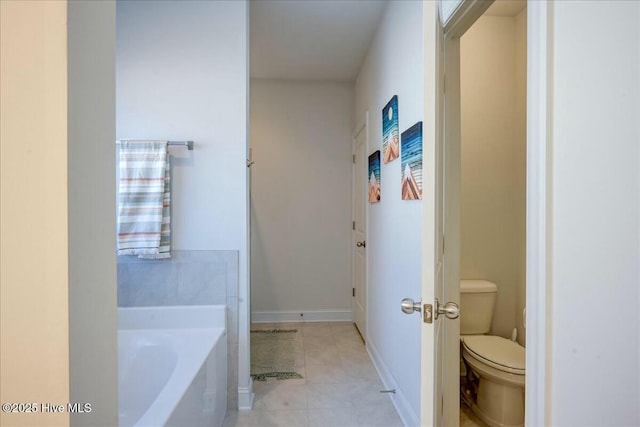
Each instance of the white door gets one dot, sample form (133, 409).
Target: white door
(435, 332)
(441, 239)
(440, 345)
(359, 233)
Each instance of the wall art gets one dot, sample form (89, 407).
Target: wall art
(390, 131)
(374, 177)
(411, 163)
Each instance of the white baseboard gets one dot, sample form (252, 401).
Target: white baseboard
(399, 400)
(301, 316)
(245, 397)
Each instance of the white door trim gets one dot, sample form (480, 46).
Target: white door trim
(464, 16)
(538, 169)
(361, 124)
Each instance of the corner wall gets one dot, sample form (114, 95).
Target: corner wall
(92, 252)
(301, 200)
(394, 66)
(181, 74)
(34, 310)
(594, 211)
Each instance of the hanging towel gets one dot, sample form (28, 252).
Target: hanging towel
(144, 200)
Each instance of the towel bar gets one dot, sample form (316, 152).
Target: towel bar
(188, 144)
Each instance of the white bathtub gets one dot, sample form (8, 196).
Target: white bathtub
(172, 366)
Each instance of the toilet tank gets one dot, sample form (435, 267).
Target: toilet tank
(477, 300)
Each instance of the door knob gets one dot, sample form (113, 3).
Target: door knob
(408, 306)
(451, 310)
(362, 244)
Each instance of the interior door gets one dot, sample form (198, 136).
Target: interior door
(440, 289)
(449, 226)
(440, 348)
(360, 230)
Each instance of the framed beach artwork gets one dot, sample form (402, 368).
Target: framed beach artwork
(374, 177)
(390, 131)
(411, 163)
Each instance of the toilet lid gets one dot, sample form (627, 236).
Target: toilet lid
(498, 350)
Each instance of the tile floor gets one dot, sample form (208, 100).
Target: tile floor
(468, 418)
(340, 388)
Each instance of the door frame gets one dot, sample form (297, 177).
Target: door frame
(538, 180)
(362, 125)
(538, 209)
(449, 127)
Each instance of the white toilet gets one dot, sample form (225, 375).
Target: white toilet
(494, 383)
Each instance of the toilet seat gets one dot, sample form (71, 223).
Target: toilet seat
(497, 352)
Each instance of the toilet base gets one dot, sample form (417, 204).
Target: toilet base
(509, 412)
(497, 402)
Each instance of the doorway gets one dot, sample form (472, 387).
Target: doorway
(286, 108)
(454, 59)
(302, 102)
(493, 189)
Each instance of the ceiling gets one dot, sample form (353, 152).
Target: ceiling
(312, 39)
(506, 8)
(321, 39)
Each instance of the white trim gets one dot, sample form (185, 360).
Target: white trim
(361, 124)
(537, 157)
(400, 402)
(464, 16)
(301, 316)
(245, 397)
(448, 9)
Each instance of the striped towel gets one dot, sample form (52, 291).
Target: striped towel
(144, 200)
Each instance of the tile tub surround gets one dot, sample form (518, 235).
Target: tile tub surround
(340, 387)
(187, 278)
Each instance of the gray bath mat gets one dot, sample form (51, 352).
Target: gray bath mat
(273, 354)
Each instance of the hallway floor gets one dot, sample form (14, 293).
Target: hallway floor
(340, 387)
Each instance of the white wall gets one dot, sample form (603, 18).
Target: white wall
(181, 74)
(177, 80)
(301, 200)
(521, 135)
(92, 258)
(34, 338)
(394, 66)
(594, 214)
(493, 161)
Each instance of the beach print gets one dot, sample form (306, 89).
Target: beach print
(390, 131)
(374, 177)
(411, 163)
